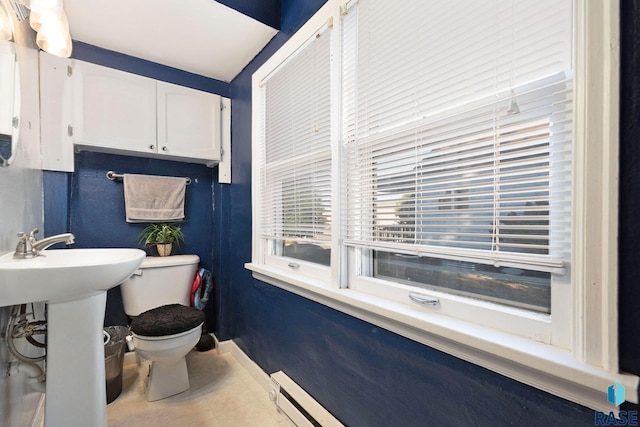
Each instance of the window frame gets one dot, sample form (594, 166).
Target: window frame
(263, 249)
(583, 371)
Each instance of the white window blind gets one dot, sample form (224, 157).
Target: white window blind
(295, 157)
(458, 128)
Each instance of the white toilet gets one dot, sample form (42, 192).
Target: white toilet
(164, 327)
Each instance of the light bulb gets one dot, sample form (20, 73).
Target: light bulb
(55, 43)
(53, 30)
(6, 32)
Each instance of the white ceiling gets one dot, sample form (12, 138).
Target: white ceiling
(200, 36)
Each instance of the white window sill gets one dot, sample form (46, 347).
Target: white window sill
(539, 365)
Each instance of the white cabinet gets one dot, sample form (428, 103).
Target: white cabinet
(56, 145)
(95, 108)
(188, 122)
(113, 109)
(124, 113)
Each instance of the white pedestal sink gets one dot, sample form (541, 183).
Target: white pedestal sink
(73, 282)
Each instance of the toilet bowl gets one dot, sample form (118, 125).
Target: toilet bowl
(168, 374)
(163, 326)
(154, 341)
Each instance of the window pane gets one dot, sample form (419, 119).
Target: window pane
(306, 220)
(458, 145)
(296, 164)
(310, 252)
(306, 207)
(507, 285)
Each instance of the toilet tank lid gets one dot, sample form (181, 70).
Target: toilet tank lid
(168, 261)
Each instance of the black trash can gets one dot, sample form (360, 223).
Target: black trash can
(114, 348)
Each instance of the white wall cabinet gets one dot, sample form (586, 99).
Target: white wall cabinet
(112, 111)
(188, 122)
(56, 108)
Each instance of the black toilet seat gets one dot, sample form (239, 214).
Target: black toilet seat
(165, 320)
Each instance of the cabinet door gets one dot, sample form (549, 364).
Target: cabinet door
(113, 109)
(56, 101)
(188, 122)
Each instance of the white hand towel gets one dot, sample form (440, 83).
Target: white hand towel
(150, 198)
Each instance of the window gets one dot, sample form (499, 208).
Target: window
(451, 138)
(296, 164)
(430, 168)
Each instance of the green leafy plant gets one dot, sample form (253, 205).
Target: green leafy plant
(161, 233)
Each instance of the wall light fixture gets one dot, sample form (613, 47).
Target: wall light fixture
(49, 20)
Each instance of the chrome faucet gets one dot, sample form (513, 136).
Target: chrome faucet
(29, 247)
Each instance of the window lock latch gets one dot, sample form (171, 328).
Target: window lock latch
(424, 300)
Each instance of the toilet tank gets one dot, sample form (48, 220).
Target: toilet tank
(159, 281)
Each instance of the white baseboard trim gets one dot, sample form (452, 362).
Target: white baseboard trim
(222, 346)
(227, 346)
(252, 367)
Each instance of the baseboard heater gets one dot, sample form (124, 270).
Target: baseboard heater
(296, 403)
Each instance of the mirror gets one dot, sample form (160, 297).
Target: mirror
(21, 109)
(9, 96)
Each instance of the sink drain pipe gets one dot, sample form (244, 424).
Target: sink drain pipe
(27, 365)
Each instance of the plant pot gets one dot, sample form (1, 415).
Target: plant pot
(164, 249)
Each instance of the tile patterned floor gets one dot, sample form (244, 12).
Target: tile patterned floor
(222, 394)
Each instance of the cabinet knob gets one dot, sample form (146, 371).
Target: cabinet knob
(152, 147)
(165, 148)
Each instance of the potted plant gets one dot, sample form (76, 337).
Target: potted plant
(162, 236)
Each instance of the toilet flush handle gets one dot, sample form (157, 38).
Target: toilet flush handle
(138, 272)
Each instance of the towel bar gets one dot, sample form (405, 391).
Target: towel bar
(113, 176)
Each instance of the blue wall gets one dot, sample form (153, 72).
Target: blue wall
(365, 375)
(265, 11)
(90, 206)
(142, 67)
